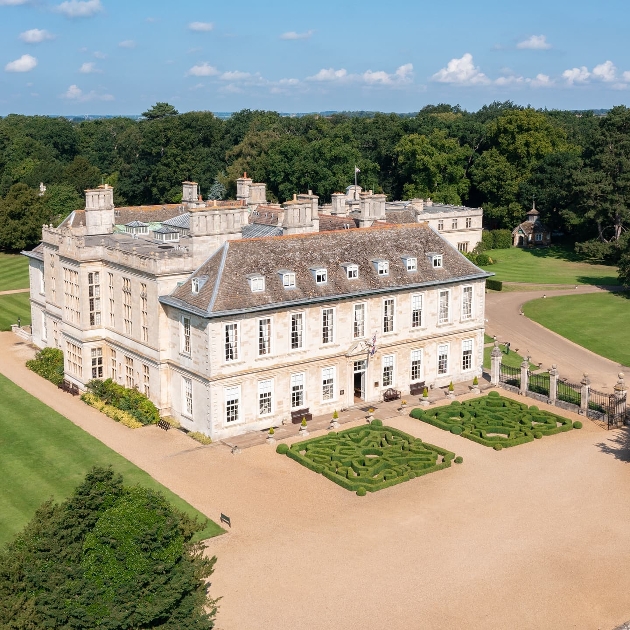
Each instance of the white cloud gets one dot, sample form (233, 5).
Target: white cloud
(75, 93)
(12, 3)
(128, 43)
(535, 42)
(576, 75)
(203, 70)
(79, 8)
(462, 72)
(292, 35)
(36, 36)
(329, 74)
(201, 27)
(230, 88)
(235, 75)
(89, 67)
(605, 72)
(99, 55)
(509, 80)
(24, 64)
(288, 81)
(403, 74)
(541, 80)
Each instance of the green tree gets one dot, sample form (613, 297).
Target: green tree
(160, 110)
(22, 215)
(60, 200)
(81, 175)
(110, 557)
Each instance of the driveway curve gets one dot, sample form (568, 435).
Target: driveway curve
(504, 319)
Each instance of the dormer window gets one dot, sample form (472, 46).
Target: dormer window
(320, 274)
(435, 260)
(411, 263)
(352, 272)
(382, 267)
(256, 283)
(197, 284)
(288, 279)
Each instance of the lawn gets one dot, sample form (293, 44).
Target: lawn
(13, 306)
(552, 265)
(511, 360)
(599, 322)
(43, 455)
(368, 458)
(13, 272)
(495, 421)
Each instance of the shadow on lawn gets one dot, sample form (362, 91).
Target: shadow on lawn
(617, 445)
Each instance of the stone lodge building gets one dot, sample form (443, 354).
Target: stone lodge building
(532, 232)
(229, 329)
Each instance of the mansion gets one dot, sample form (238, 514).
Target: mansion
(231, 315)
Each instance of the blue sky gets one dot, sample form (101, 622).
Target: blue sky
(120, 57)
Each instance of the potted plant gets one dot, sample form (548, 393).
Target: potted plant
(403, 404)
(303, 427)
(334, 423)
(475, 386)
(270, 436)
(370, 415)
(451, 390)
(424, 401)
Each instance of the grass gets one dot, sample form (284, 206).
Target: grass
(13, 306)
(552, 265)
(13, 272)
(598, 321)
(43, 455)
(488, 338)
(511, 360)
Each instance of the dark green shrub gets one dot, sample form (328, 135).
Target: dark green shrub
(457, 429)
(459, 460)
(487, 241)
(130, 400)
(494, 395)
(282, 448)
(577, 424)
(538, 435)
(361, 492)
(377, 423)
(498, 447)
(494, 285)
(48, 363)
(501, 239)
(483, 260)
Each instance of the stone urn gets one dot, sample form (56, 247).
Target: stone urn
(475, 389)
(424, 402)
(303, 430)
(270, 439)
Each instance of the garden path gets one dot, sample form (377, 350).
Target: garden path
(504, 320)
(532, 537)
(12, 291)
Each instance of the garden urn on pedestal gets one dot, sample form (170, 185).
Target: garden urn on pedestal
(334, 423)
(270, 436)
(451, 391)
(303, 427)
(424, 401)
(475, 386)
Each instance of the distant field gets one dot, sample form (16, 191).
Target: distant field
(553, 265)
(599, 322)
(44, 455)
(13, 272)
(13, 306)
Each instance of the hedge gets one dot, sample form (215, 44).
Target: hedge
(124, 399)
(494, 285)
(48, 363)
(371, 457)
(492, 420)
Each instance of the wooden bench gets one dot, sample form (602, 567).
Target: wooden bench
(296, 416)
(164, 425)
(417, 389)
(226, 519)
(391, 394)
(69, 387)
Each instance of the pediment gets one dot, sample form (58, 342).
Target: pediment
(360, 348)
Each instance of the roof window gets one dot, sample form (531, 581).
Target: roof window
(411, 263)
(288, 279)
(320, 274)
(352, 271)
(256, 283)
(197, 284)
(382, 267)
(435, 260)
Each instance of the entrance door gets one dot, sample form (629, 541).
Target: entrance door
(360, 367)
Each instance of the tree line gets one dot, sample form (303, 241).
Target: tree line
(501, 157)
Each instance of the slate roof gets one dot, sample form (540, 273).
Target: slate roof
(266, 215)
(180, 221)
(330, 222)
(125, 215)
(400, 216)
(527, 228)
(135, 224)
(256, 230)
(227, 290)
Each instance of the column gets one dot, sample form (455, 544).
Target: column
(495, 365)
(586, 382)
(524, 376)
(620, 395)
(553, 384)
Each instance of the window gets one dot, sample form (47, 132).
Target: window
(97, 362)
(188, 396)
(185, 335)
(328, 325)
(416, 310)
(416, 365)
(328, 383)
(146, 384)
(352, 272)
(454, 224)
(42, 280)
(113, 365)
(130, 381)
(257, 284)
(144, 323)
(112, 303)
(436, 261)
(55, 333)
(232, 404)
(321, 276)
(388, 370)
(539, 237)
(297, 331)
(411, 264)
(297, 390)
(127, 315)
(467, 302)
(231, 342)
(72, 306)
(265, 397)
(264, 337)
(468, 222)
(388, 315)
(195, 285)
(359, 321)
(462, 247)
(44, 327)
(382, 267)
(53, 279)
(440, 225)
(288, 280)
(74, 359)
(467, 354)
(443, 359)
(94, 294)
(444, 314)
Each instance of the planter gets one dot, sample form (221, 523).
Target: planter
(303, 430)
(424, 402)
(450, 395)
(475, 389)
(334, 424)
(270, 439)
